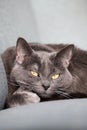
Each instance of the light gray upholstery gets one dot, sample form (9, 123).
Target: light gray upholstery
(55, 115)
(45, 21)
(3, 85)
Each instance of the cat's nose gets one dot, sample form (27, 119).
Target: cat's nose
(46, 85)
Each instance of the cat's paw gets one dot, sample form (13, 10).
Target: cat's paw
(29, 97)
(22, 98)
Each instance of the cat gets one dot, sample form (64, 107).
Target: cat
(44, 72)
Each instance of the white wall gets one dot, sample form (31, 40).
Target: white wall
(43, 21)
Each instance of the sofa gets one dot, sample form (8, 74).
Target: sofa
(53, 115)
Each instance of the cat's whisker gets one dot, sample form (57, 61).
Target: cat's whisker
(18, 83)
(12, 83)
(24, 83)
(64, 94)
(64, 91)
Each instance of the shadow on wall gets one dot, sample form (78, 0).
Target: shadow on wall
(16, 19)
(47, 21)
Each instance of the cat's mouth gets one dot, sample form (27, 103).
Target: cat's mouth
(44, 94)
(48, 94)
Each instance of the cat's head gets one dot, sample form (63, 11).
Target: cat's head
(45, 73)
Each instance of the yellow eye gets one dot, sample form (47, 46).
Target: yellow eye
(34, 73)
(55, 76)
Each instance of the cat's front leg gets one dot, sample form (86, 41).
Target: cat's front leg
(22, 97)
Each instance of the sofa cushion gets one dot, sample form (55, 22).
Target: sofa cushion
(54, 115)
(3, 85)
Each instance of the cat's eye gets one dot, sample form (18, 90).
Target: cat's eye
(34, 73)
(55, 76)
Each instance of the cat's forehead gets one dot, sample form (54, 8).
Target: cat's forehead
(44, 56)
(46, 65)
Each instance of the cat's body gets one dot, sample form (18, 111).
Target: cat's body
(45, 71)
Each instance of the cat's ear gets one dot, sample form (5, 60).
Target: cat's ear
(22, 49)
(65, 55)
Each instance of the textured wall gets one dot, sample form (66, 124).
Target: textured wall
(43, 21)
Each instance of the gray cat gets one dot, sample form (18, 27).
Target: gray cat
(43, 72)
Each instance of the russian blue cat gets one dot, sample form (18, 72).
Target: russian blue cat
(42, 72)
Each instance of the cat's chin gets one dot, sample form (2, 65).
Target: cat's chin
(45, 95)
